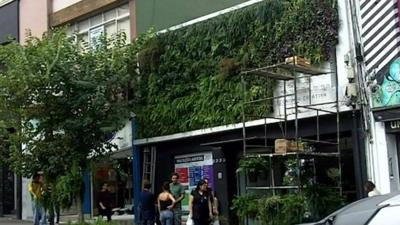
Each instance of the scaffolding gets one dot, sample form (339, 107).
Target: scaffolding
(290, 113)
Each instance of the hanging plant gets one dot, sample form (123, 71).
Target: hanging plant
(253, 164)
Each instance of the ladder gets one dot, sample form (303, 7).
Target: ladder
(149, 164)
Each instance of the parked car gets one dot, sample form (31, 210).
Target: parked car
(377, 210)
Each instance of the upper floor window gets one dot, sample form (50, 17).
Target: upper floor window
(109, 23)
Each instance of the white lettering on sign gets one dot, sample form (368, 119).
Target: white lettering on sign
(395, 124)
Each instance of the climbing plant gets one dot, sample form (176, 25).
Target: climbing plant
(189, 77)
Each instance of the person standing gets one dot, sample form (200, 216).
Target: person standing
(147, 203)
(165, 204)
(370, 188)
(36, 190)
(200, 208)
(178, 192)
(104, 202)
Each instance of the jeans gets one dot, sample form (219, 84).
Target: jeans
(39, 213)
(177, 215)
(167, 217)
(147, 222)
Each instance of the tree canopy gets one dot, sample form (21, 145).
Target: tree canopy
(63, 100)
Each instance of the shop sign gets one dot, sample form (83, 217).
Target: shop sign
(393, 126)
(192, 168)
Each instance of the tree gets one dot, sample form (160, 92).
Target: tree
(63, 101)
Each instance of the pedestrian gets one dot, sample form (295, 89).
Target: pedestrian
(370, 188)
(36, 190)
(178, 191)
(165, 204)
(147, 205)
(53, 207)
(210, 191)
(104, 202)
(200, 208)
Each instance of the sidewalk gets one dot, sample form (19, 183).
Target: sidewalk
(10, 220)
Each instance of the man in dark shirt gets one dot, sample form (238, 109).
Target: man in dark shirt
(147, 203)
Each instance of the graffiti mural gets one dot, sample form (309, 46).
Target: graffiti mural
(388, 89)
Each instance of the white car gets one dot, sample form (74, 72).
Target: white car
(377, 210)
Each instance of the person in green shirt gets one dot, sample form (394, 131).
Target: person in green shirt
(178, 191)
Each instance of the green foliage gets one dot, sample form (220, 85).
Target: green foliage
(254, 164)
(322, 200)
(279, 210)
(245, 205)
(189, 76)
(64, 101)
(271, 210)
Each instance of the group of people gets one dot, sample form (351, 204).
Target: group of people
(38, 189)
(203, 204)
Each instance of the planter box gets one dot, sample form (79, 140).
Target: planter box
(296, 146)
(298, 61)
(282, 145)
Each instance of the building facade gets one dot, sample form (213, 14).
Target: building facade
(376, 59)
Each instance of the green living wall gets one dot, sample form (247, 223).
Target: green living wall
(190, 77)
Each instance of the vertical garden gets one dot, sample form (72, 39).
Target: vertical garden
(190, 77)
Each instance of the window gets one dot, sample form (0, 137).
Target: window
(109, 22)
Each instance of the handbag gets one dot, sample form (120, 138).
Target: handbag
(189, 221)
(215, 222)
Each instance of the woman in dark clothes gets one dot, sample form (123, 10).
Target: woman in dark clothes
(200, 207)
(104, 202)
(165, 203)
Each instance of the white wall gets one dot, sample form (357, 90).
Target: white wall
(61, 4)
(27, 213)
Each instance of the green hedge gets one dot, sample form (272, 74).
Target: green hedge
(189, 77)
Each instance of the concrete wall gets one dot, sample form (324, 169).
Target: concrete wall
(33, 18)
(61, 4)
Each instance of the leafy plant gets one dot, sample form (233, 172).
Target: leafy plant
(64, 101)
(254, 164)
(322, 200)
(180, 85)
(334, 174)
(285, 209)
(245, 205)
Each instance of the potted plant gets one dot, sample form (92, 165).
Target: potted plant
(253, 166)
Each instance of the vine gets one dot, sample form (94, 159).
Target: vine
(189, 77)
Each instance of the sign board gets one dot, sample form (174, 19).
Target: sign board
(191, 169)
(94, 36)
(313, 90)
(392, 126)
